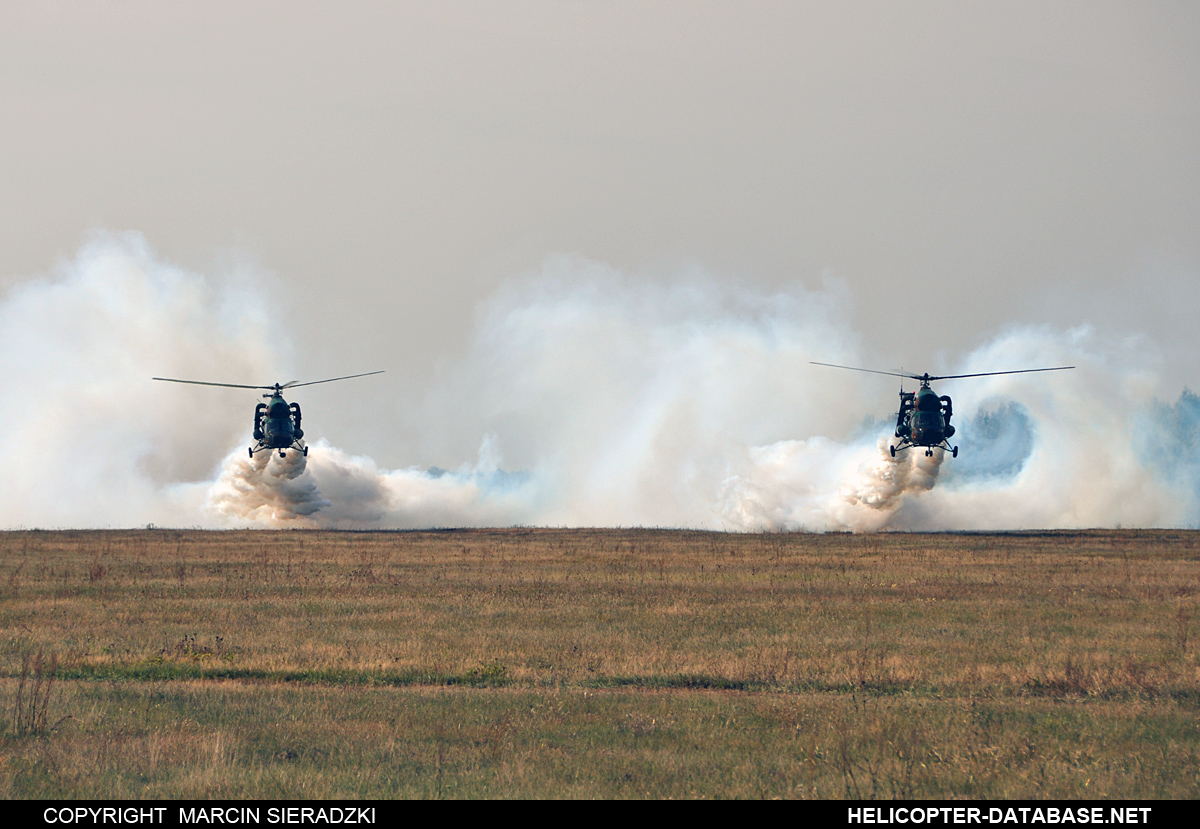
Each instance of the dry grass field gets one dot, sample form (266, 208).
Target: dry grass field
(599, 663)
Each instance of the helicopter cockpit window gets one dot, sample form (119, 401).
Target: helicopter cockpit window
(927, 420)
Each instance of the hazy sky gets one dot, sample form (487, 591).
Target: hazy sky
(960, 168)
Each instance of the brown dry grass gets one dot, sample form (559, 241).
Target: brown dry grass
(680, 663)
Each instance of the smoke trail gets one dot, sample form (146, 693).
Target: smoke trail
(817, 484)
(334, 490)
(618, 401)
(265, 489)
(882, 484)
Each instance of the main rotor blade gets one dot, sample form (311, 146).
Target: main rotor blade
(930, 378)
(295, 385)
(990, 373)
(869, 370)
(202, 383)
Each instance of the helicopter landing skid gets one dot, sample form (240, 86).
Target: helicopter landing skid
(945, 445)
(299, 447)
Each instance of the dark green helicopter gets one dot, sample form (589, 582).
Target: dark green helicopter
(277, 422)
(924, 418)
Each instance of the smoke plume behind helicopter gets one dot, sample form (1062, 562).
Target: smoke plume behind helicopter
(587, 398)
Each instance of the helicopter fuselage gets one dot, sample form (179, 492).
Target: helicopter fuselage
(924, 421)
(277, 425)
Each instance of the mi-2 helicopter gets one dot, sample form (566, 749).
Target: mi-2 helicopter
(276, 422)
(924, 418)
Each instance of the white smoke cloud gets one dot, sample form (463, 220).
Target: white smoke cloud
(588, 398)
(85, 438)
(817, 484)
(334, 490)
(265, 489)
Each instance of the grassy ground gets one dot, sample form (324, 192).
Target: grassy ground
(598, 663)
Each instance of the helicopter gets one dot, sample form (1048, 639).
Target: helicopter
(924, 418)
(277, 422)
